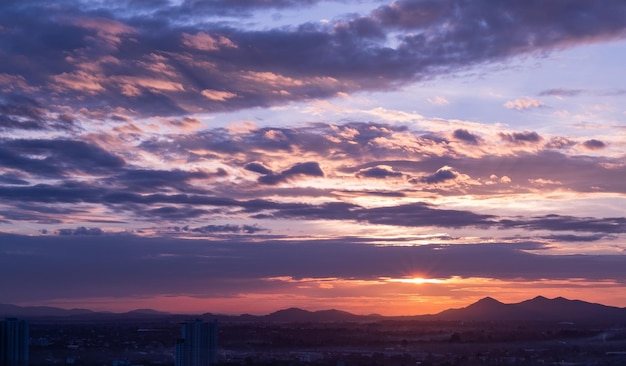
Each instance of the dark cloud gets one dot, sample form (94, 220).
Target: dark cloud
(421, 214)
(384, 193)
(575, 238)
(380, 172)
(521, 137)
(311, 169)
(16, 214)
(237, 7)
(594, 144)
(81, 231)
(229, 229)
(14, 179)
(607, 225)
(176, 213)
(19, 112)
(57, 157)
(577, 173)
(440, 176)
(257, 168)
(140, 264)
(466, 136)
(410, 215)
(560, 143)
(143, 180)
(413, 15)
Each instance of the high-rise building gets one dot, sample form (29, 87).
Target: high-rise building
(198, 344)
(14, 342)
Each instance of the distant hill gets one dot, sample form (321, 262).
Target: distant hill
(293, 315)
(487, 309)
(7, 310)
(537, 309)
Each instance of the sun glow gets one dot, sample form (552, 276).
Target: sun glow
(418, 280)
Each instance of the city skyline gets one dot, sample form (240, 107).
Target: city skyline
(399, 157)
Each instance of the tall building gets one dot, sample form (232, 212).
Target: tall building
(13, 342)
(198, 344)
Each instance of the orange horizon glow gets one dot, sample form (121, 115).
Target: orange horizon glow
(392, 297)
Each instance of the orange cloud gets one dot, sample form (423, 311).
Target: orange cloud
(206, 42)
(523, 104)
(217, 95)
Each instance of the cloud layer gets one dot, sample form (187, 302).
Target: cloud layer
(172, 141)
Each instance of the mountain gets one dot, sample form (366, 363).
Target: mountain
(147, 312)
(295, 315)
(7, 310)
(537, 309)
(487, 309)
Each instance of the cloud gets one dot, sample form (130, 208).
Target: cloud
(575, 238)
(438, 100)
(227, 265)
(206, 42)
(441, 175)
(521, 137)
(258, 168)
(607, 225)
(173, 213)
(465, 136)
(81, 231)
(410, 215)
(594, 144)
(560, 143)
(217, 95)
(234, 8)
(560, 92)
(228, 229)
(144, 180)
(311, 169)
(380, 172)
(13, 179)
(523, 104)
(57, 157)
(161, 67)
(20, 112)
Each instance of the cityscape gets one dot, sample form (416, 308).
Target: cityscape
(537, 331)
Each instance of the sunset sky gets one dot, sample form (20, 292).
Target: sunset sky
(244, 156)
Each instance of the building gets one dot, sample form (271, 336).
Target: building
(13, 342)
(198, 344)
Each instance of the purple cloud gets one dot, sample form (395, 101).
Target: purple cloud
(521, 137)
(466, 136)
(311, 169)
(156, 66)
(380, 172)
(594, 144)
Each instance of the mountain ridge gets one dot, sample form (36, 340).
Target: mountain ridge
(539, 308)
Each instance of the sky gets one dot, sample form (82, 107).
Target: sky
(246, 156)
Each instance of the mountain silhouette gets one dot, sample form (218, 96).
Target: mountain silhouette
(537, 309)
(294, 315)
(8, 310)
(540, 309)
